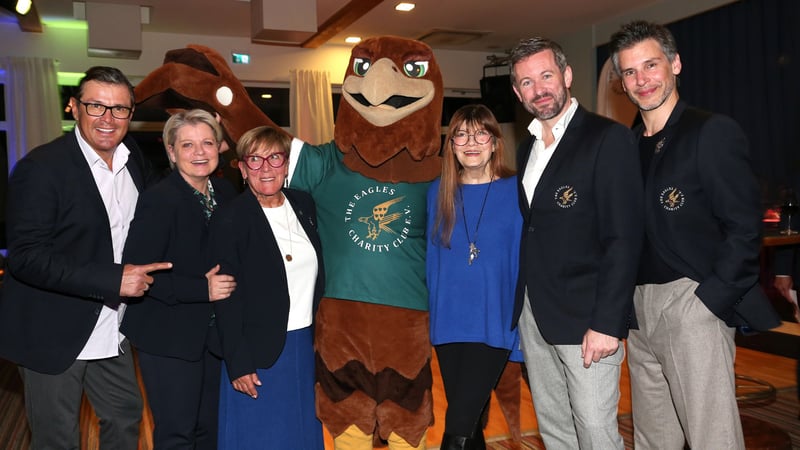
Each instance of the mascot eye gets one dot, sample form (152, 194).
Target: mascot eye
(416, 69)
(361, 66)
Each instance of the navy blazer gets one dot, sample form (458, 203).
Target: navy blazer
(173, 318)
(703, 213)
(252, 321)
(60, 258)
(582, 233)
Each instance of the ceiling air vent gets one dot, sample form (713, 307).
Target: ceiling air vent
(443, 38)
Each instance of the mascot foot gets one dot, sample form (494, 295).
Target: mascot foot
(353, 439)
(398, 443)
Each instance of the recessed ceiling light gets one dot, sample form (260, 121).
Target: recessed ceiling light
(405, 7)
(266, 96)
(23, 6)
(352, 39)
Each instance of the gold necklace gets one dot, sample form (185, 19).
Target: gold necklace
(286, 207)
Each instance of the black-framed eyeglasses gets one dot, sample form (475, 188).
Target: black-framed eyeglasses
(480, 137)
(99, 109)
(275, 160)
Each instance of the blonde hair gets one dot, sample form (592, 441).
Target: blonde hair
(189, 117)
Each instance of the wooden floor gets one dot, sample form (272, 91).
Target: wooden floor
(777, 370)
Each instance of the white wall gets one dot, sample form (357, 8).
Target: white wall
(269, 64)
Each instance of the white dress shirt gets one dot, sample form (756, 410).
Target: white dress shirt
(540, 155)
(119, 195)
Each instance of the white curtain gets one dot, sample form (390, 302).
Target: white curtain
(311, 106)
(33, 106)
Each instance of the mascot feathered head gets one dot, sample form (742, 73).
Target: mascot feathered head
(389, 121)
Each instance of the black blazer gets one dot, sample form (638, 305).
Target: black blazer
(170, 225)
(252, 321)
(582, 233)
(61, 262)
(703, 214)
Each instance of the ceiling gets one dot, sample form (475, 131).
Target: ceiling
(499, 24)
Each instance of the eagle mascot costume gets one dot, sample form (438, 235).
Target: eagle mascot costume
(372, 343)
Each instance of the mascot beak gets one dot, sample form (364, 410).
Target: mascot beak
(385, 95)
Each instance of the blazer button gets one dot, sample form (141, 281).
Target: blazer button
(531, 229)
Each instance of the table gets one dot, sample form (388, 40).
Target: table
(773, 238)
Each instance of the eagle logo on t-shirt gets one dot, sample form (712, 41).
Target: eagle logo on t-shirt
(381, 218)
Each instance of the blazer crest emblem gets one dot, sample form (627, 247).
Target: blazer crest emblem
(566, 196)
(671, 198)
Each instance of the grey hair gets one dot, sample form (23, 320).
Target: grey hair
(637, 31)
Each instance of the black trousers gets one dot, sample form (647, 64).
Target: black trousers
(469, 372)
(53, 402)
(184, 400)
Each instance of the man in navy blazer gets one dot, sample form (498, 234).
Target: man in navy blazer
(69, 205)
(581, 199)
(698, 277)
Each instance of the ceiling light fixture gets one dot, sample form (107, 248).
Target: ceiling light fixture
(352, 39)
(405, 7)
(23, 6)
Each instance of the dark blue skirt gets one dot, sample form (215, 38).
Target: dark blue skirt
(284, 415)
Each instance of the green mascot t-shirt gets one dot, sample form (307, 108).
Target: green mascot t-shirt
(373, 233)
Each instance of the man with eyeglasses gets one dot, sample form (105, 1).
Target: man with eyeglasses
(70, 203)
(580, 193)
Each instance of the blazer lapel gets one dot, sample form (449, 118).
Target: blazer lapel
(135, 164)
(522, 164)
(667, 134)
(570, 140)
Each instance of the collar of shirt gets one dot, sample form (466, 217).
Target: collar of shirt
(121, 153)
(535, 127)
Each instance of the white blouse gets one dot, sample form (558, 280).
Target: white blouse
(300, 261)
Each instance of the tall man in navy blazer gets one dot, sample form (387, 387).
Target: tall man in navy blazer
(69, 205)
(581, 200)
(698, 277)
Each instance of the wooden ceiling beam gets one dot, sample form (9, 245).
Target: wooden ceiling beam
(30, 22)
(341, 19)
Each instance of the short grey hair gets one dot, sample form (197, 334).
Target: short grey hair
(638, 31)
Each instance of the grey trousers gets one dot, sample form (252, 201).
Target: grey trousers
(681, 367)
(52, 403)
(576, 407)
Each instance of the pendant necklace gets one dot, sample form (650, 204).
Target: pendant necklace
(473, 248)
(286, 207)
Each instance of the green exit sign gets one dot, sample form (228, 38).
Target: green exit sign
(240, 58)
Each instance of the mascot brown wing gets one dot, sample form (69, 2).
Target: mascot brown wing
(389, 120)
(199, 77)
